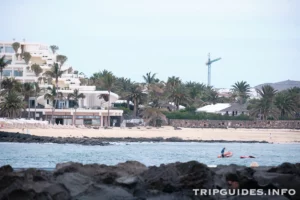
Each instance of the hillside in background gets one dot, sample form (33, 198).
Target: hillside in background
(283, 85)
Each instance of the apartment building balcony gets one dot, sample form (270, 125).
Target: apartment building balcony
(30, 73)
(69, 76)
(39, 53)
(45, 85)
(26, 79)
(19, 62)
(82, 88)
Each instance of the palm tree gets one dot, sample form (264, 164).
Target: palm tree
(196, 92)
(108, 81)
(241, 89)
(55, 73)
(265, 105)
(295, 93)
(123, 86)
(54, 48)
(173, 82)
(157, 95)
(83, 81)
(153, 115)
(81, 73)
(40, 79)
(97, 78)
(12, 105)
(75, 96)
(70, 70)
(61, 59)
(16, 46)
(37, 91)
(76, 72)
(28, 90)
(179, 96)
(211, 95)
(149, 78)
(136, 94)
(3, 64)
(10, 85)
(52, 95)
(27, 57)
(286, 103)
(36, 69)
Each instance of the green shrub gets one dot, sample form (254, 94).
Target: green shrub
(126, 111)
(203, 116)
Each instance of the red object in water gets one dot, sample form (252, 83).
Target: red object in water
(226, 155)
(247, 157)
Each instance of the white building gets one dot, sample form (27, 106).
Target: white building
(232, 109)
(91, 107)
(214, 108)
(226, 92)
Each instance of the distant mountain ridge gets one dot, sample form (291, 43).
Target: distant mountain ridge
(283, 85)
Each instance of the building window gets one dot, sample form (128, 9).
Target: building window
(72, 103)
(87, 122)
(7, 72)
(9, 49)
(1, 50)
(87, 117)
(18, 73)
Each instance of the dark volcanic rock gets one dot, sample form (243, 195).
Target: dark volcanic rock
(287, 168)
(177, 176)
(104, 192)
(26, 138)
(6, 169)
(134, 181)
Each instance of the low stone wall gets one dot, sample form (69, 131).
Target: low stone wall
(270, 124)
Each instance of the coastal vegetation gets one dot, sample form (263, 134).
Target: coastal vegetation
(56, 73)
(185, 114)
(154, 100)
(75, 96)
(3, 64)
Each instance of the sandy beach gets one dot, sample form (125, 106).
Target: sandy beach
(276, 136)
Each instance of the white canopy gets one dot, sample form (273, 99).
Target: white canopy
(214, 108)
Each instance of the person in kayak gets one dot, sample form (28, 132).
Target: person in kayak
(222, 152)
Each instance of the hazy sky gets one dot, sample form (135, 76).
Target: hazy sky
(258, 40)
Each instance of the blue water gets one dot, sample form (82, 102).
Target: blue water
(22, 155)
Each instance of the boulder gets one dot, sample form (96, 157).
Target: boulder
(287, 168)
(5, 169)
(104, 192)
(272, 180)
(127, 180)
(134, 181)
(75, 183)
(174, 177)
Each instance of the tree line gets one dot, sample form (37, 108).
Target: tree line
(151, 99)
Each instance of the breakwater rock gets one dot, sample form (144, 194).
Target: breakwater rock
(134, 181)
(27, 138)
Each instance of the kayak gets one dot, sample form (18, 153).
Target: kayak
(247, 157)
(226, 155)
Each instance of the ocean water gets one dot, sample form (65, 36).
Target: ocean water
(22, 155)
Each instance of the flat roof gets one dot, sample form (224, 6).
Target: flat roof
(78, 111)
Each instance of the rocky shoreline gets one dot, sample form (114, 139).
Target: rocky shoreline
(27, 138)
(134, 181)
